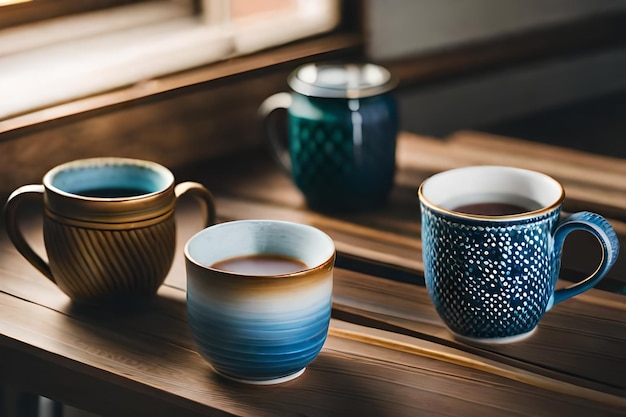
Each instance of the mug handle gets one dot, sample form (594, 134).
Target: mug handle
(20, 195)
(14, 201)
(604, 232)
(200, 193)
(278, 101)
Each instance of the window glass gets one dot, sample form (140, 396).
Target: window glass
(8, 2)
(56, 60)
(18, 12)
(245, 8)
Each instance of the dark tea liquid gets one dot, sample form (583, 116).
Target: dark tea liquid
(113, 192)
(262, 264)
(491, 209)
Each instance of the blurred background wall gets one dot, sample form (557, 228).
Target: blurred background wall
(397, 29)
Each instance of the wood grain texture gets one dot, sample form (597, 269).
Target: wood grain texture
(388, 353)
(580, 341)
(599, 186)
(274, 63)
(389, 239)
(144, 356)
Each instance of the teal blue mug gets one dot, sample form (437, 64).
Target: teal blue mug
(341, 136)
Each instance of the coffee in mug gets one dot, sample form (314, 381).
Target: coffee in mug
(266, 264)
(493, 208)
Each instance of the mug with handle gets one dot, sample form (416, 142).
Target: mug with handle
(492, 240)
(108, 226)
(342, 127)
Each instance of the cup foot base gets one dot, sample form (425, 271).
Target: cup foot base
(263, 381)
(494, 340)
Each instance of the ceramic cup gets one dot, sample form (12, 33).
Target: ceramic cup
(492, 239)
(341, 135)
(256, 326)
(108, 226)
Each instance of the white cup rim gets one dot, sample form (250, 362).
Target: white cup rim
(65, 183)
(325, 261)
(50, 180)
(436, 191)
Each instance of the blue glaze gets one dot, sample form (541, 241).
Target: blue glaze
(101, 174)
(343, 150)
(273, 349)
(494, 280)
(259, 328)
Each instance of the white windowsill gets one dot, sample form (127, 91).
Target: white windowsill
(114, 52)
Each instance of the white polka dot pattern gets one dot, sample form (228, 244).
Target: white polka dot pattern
(490, 279)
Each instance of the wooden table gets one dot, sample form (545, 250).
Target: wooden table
(387, 354)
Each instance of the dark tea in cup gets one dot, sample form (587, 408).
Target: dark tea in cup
(494, 205)
(261, 264)
(114, 192)
(491, 209)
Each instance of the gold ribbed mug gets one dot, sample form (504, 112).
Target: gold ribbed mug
(109, 229)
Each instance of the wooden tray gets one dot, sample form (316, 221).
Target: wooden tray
(387, 353)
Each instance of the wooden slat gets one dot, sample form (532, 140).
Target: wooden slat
(584, 161)
(581, 340)
(145, 357)
(389, 239)
(601, 188)
(400, 249)
(388, 352)
(349, 237)
(587, 332)
(592, 182)
(399, 342)
(245, 68)
(592, 319)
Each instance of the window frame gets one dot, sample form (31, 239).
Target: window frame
(38, 10)
(345, 40)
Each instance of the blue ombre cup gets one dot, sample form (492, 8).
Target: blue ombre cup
(257, 327)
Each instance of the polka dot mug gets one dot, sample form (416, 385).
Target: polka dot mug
(340, 146)
(492, 240)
